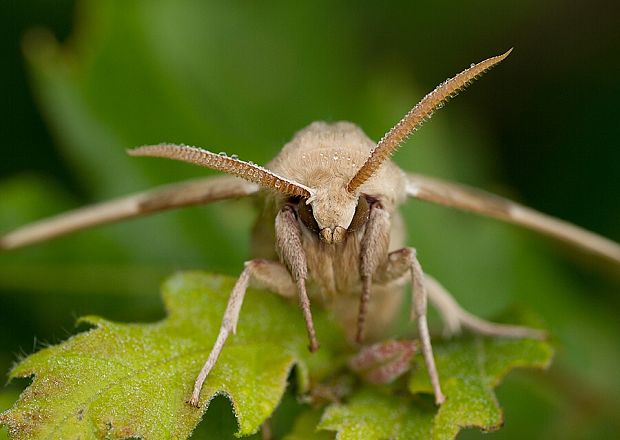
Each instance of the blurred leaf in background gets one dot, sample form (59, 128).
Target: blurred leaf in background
(243, 78)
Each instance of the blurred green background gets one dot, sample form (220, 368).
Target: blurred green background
(87, 79)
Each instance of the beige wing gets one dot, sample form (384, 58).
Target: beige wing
(167, 197)
(473, 200)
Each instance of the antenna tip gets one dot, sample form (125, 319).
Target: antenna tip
(505, 54)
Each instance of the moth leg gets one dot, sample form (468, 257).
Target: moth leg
(373, 248)
(274, 277)
(291, 251)
(456, 318)
(418, 312)
(398, 263)
(259, 270)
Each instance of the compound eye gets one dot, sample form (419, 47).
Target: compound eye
(361, 214)
(307, 217)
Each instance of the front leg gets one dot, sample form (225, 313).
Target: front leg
(453, 315)
(292, 254)
(372, 253)
(271, 274)
(398, 264)
(373, 249)
(418, 311)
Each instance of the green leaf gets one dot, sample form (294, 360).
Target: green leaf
(374, 414)
(132, 380)
(469, 368)
(6, 399)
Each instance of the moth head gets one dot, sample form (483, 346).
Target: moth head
(332, 214)
(335, 207)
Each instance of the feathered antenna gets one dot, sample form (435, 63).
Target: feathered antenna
(417, 115)
(228, 164)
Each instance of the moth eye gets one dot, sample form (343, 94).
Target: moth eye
(361, 214)
(307, 217)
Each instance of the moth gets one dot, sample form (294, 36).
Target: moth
(329, 229)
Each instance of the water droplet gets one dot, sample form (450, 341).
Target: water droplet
(234, 156)
(223, 153)
(472, 65)
(278, 183)
(335, 157)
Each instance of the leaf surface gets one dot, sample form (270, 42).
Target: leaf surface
(375, 414)
(469, 368)
(132, 380)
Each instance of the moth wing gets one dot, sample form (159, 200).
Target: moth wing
(474, 200)
(196, 192)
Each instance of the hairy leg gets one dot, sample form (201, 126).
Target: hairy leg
(292, 254)
(254, 269)
(373, 248)
(418, 312)
(455, 317)
(398, 264)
